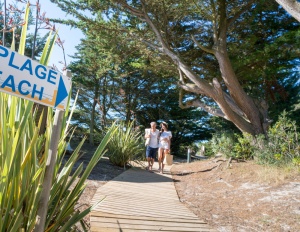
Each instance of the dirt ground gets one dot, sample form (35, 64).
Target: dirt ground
(243, 197)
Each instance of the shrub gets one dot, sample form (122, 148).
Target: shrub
(125, 145)
(282, 146)
(243, 148)
(223, 143)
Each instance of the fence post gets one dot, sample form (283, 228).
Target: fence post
(189, 155)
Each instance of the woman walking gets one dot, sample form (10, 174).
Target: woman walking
(164, 145)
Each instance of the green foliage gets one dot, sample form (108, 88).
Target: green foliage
(136, 92)
(260, 42)
(223, 143)
(23, 156)
(14, 29)
(282, 146)
(236, 146)
(19, 169)
(243, 149)
(125, 145)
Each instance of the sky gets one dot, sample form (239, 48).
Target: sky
(70, 36)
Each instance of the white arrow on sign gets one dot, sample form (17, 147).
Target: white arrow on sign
(26, 78)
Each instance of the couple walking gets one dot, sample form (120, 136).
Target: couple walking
(157, 140)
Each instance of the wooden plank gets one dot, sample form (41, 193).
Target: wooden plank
(132, 200)
(138, 200)
(142, 230)
(117, 224)
(148, 223)
(152, 218)
(132, 194)
(169, 207)
(157, 214)
(173, 206)
(140, 187)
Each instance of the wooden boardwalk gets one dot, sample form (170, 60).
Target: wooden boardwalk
(139, 200)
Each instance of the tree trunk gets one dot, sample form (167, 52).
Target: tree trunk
(292, 7)
(250, 121)
(93, 114)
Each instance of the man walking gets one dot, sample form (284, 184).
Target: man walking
(151, 136)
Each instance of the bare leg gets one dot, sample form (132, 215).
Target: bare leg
(162, 162)
(160, 151)
(149, 162)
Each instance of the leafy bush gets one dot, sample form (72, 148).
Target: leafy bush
(237, 146)
(282, 146)
(208, 149)
(125, 145)
(223, 143)
(243, 148)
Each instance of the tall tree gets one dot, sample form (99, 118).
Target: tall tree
(93, 73)
(198, 37)
(109, 78)
(129, 86)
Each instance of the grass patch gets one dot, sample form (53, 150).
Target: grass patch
(277, 175)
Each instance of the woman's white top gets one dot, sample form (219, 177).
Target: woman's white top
(165, 144)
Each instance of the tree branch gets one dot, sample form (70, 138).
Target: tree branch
(197, 103)
(240, 121)
(155, 47)
(231, 103)
(241, 11)
(206, 49)
(181, 77)
(292, 7)
(133, 10)
(190, 87)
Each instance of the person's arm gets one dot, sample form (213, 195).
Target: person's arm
(170, 136)
(158, 135)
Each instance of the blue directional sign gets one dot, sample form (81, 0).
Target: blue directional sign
(26, 78)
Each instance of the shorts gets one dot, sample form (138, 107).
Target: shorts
(151, 152)
(164, 145)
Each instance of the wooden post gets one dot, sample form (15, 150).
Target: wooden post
(202, 151)
(50, 165)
